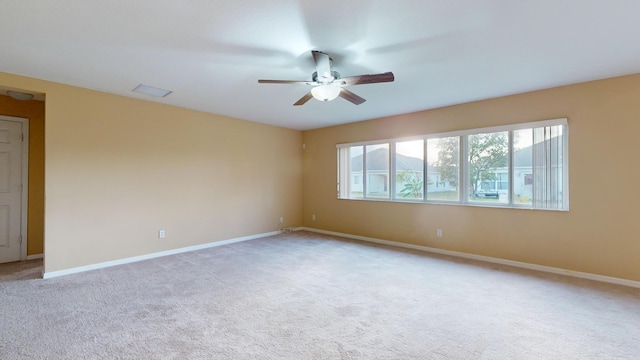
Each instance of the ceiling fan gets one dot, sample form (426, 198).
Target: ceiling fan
(328, 85)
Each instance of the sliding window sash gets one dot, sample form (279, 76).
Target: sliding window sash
(548, 162)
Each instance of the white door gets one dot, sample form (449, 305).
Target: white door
(10, 190)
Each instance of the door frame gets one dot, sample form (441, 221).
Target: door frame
(25, 182)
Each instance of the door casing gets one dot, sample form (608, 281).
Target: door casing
(25, 182)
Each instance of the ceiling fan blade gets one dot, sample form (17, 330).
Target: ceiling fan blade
(323, 65)
(348, 95)
(303, 99)
(367, 79)
(295, 82)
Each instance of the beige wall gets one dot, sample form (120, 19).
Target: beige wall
(119, 169)
(598, 235)
(34, 111)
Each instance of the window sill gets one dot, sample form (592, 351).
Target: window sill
(469, 204)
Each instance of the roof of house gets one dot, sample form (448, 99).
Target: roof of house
(524, 158)
(379, 160)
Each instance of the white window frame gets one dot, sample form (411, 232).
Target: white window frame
(344, 176)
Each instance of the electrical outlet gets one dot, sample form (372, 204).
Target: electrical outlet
(313, 217)
(439, 233)
(161, 234)
(281, 220)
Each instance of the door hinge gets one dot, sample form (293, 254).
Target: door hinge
(22, 137)
(20, 239)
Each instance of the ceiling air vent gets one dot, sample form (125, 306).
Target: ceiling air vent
(151, 91)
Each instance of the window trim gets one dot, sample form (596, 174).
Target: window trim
(464, 177)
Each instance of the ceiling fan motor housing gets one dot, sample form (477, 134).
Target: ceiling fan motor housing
(335, 75)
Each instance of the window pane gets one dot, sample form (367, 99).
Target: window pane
(355, 172)
(548, 153)
(377, 174)
(443, 169)
(522, 167)
(410, 169)
(488, 167)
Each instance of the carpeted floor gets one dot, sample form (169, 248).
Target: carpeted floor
(310, 296)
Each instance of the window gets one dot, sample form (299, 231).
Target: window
(443, 167)
(409, 169)
(522, 165)
(377, 174)
(355, 171)
(364, 172)
(487, 167)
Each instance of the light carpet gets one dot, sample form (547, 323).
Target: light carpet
(309, 296)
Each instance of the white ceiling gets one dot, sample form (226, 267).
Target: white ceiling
(211, 53)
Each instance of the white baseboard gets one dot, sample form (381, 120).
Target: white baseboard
(548, 269)
(34, 257)
(52, 274)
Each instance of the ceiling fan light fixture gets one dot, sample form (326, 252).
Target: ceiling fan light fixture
(325, 92)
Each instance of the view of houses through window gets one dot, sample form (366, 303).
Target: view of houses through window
(523, 165)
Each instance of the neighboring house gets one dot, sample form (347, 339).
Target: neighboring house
(529, 179)
(378, 174)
